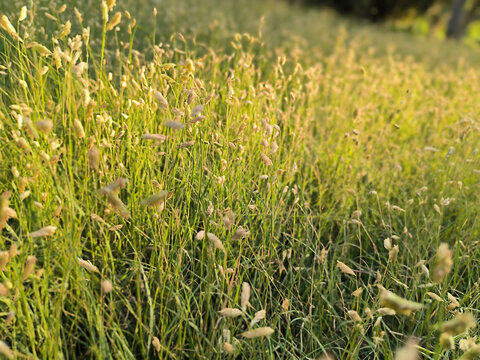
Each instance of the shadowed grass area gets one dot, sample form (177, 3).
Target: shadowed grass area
(160, 170)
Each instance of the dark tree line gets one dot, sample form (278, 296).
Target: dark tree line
(462, 12)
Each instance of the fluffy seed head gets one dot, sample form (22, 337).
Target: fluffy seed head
(259, 332)
(245, 297)
(45, 125)
(345, 268)
(216, 242)
(87, 265)
(161, 100)
(398, 304)
(6, 25)
(46, 231)
(259, 315)
(442, 263)
(230, 312)
(29, 267)
(458, 325)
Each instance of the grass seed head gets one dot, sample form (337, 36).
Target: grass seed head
(155, 200)
(29, 267)
(345, 268)
(161, 100)
(93, 158)
(87, 265)
(398, 304)
(266, 160)
(245, 296)
(259, 315)
(471, 354)
(117, 204)
(156, 344)
(258, 332)
(44, 126)
(4, 257)
(442, 263)
(6, 351)
(230, 312)
(408, 352)
(115, 21)
(354, 316)
(78, 129)
(6, 25)
(217, 244)
(107, 286)
(458, 325)
(43, 232)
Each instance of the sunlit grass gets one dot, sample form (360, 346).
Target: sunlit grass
(218, 188)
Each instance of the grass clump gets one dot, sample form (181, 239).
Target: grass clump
(221, 193)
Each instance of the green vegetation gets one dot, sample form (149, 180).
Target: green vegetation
(207, 183)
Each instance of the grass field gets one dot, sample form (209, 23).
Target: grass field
(202, 182)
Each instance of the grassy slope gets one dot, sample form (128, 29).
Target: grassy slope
(352, 110)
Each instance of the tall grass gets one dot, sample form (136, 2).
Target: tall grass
(200, 191)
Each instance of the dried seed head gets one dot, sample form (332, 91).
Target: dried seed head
(286, 304)
(241, 233)
(78, 128)
(29, 267)
(111, 4)
(216, 242)
(400, 305)
(259, 315)
(65, 30)
(6, 351)
(24, 145)
(228, 348)
(13, 251)
(156, 344)
(93, 158)
(45, 125)
(408, 352)
(471, 354)
(354, 316)
(155, 200)
(245, 297)
(161, 100)
(442, 264)
(23, 14)
(46, 231)
(115, 21)
(159, 138)
(113, 187)
(4, 257)
(117, 204)
(186, 144)
(200, 235)
(176, 125)
(266, 160)
(435, 296)
(230, 312)
(447, 341)
(197, 111)
(6, 25)
(87, 265)
(458, 325)
(107, 286)
(228, 219)
(466, 344)
(345, 268)
(393, 253)
(9, 318)
(259, 332)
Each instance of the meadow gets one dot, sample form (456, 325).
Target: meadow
(234, 179)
